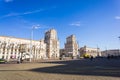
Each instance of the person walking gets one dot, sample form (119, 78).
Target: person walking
(18, 60)
(91, 58)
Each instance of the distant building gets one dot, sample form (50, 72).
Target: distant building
(114, 52)
(62, 52)
(89, 51)
(71, 46)
(52, 43)
(12, 48)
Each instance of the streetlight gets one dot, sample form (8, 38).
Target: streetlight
(119, 49)
(33, 27)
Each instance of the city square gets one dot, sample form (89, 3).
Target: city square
(83, 69)
(59, 39)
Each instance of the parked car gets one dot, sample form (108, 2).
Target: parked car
(2, 61)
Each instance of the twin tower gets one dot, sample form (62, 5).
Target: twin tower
(52, 48)
(52, 44)
(71, 46)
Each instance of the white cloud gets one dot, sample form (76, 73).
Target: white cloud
(8, 1)
(117, 17)
(75, 24)
(19, 14)
(30, 12)
(25, 13)
(10, 14)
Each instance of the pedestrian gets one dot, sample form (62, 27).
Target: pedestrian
(91, 58)
(18, 60)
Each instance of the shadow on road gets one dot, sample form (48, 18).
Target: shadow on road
(96, 67)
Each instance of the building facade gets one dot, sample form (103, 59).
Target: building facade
(88, 51)
(12, 48)
(71, 46)
(52, 43)
(113, 52)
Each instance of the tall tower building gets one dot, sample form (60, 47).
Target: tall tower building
(71, 46)
(52, 44)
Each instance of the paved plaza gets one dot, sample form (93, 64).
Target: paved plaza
(83, 69)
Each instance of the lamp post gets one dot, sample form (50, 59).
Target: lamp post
(98, 51)
(119, 49)
(33, 27)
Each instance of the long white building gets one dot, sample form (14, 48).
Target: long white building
(11, 47)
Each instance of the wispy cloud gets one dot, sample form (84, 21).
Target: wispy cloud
(9, 15)
(12, 14)
(30, 12)
(117, 17)
(20, 14)
(75, 23)
(8, 1)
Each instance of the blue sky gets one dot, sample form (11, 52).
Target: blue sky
(93, 22)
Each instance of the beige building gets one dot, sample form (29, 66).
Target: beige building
(114, 52)
(52, 43)
(89, 51)
(12, 48)
(71, 46)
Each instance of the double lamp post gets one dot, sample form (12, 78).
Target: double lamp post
(31, 41)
